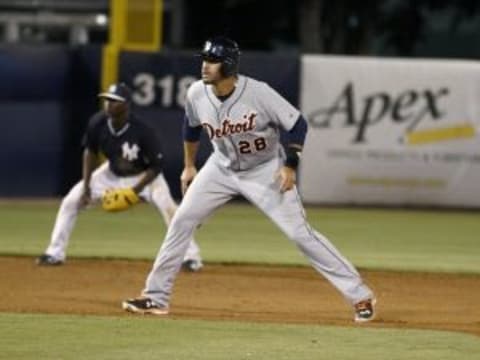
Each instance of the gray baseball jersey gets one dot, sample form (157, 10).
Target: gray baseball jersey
(244, 129)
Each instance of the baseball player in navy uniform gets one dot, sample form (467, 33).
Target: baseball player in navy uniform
(242, 117)
(134, 166)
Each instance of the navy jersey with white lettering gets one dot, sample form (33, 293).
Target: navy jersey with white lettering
(130, 150)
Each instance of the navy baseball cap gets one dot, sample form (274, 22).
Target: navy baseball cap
(117, 92)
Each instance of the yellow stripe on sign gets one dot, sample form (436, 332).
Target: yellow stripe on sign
(440, 134)
(396, 182)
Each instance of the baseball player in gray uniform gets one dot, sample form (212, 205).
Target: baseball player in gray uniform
(243, 118)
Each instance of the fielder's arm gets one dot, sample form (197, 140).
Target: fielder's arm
(146, 179)
(153, 152)
(90, 161)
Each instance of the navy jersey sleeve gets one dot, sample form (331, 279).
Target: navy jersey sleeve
(153, 150)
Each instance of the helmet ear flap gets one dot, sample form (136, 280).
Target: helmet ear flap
(229, 68)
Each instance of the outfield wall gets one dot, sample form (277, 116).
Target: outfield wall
(382, 131)
(46, 93)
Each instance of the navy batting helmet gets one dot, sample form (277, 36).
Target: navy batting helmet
(224, 50)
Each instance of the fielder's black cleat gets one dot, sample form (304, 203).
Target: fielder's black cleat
(192, 265)
(48, 260)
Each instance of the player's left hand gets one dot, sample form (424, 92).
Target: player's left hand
(119, 199)
(287, 177)
(188, 173)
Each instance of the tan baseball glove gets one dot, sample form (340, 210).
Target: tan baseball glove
(119, 199)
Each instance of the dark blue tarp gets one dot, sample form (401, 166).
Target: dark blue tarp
(46, 95)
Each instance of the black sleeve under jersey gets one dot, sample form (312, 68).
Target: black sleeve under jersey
(298, 132)
(92, 133)
(153, 150)
(191, 134)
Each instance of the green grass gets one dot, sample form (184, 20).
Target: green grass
(375, 239)
(76, 337)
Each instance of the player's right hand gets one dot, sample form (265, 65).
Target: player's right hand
(188, 173)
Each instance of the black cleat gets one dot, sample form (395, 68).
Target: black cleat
(48, 260)
(143, 305)
(192, 265)
(365, 310)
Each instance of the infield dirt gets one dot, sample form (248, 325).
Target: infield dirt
(242, 293)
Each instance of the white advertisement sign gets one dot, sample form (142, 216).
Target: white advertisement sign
(391, 131)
